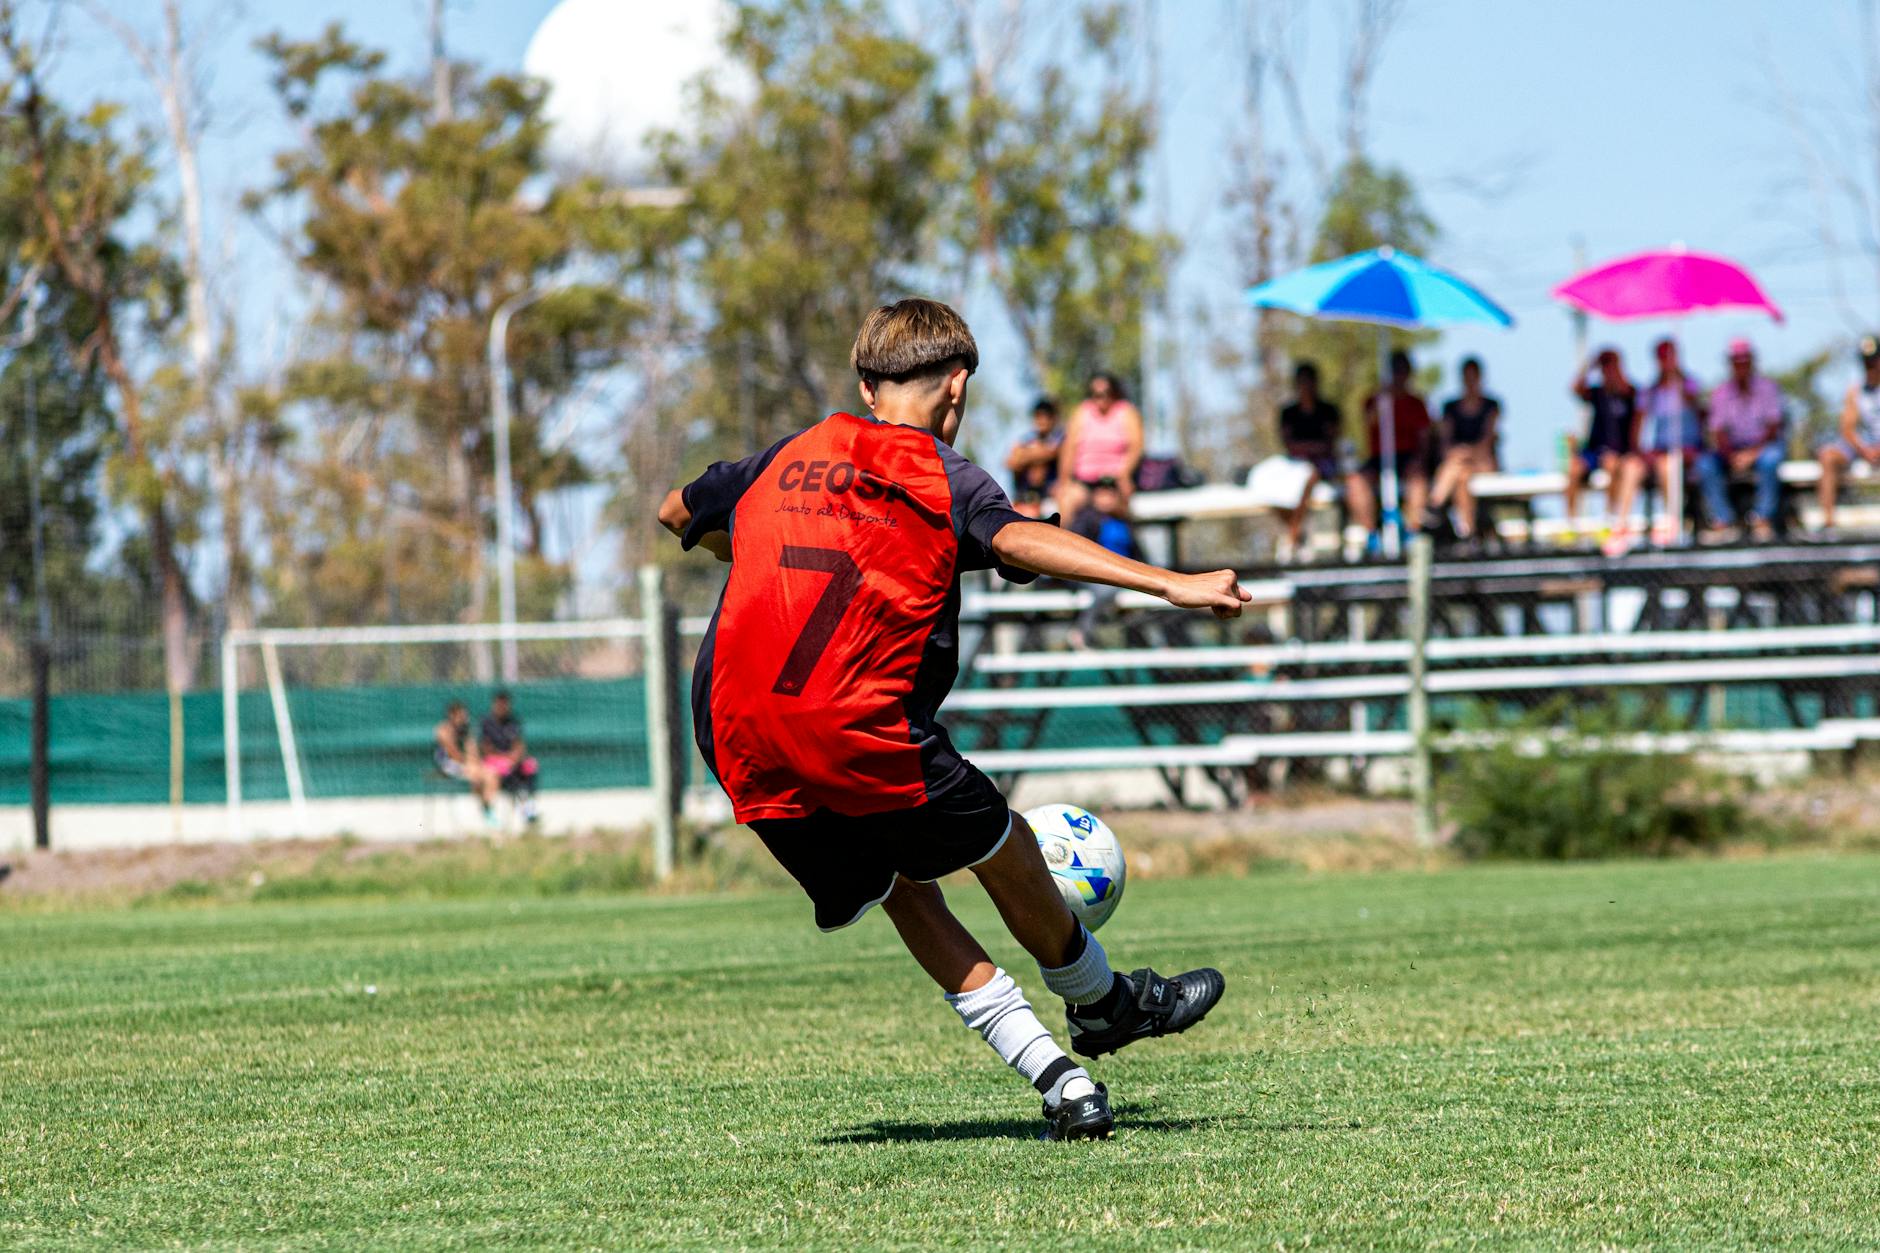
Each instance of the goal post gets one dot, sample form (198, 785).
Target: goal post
(337, 722)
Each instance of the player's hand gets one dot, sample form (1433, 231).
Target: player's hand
(1218, 590)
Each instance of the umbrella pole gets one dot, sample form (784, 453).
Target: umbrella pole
(1387, 449)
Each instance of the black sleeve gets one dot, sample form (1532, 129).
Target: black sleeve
(713, 495)
(980, 511)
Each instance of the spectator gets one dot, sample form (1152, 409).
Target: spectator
(1669, 418)
(1466, 439)
(1746, 436)
(1105, 521)
(1034, 461)
(1103, 441)
(506, 754)
(1410, 427)
(455, 757)
(1310, 429)
(1859, 439)
(1613, 402)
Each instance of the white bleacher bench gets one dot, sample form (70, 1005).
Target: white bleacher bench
(1439, 683)
(1830, 735)
(1233, 500)
(1475, 648)
(1230, 500)
(980, 606)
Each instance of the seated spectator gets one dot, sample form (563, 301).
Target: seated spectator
(1310, 429)
(1104, 521)
(1613, 405)
(1102, 441)
(1859, 439)
(1669, 418)
(1410, 429)
(1034, 461)
(454, 757)
(506, 754)
(1746, 437)
(1465, 442)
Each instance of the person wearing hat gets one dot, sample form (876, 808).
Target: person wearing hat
(1859, 439)
(1746, 440)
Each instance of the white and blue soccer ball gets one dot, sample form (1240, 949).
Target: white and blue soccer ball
(1085, 859)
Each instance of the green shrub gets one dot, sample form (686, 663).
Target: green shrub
(1555, 785)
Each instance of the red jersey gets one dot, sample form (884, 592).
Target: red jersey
(836, 639)
(1409, 422)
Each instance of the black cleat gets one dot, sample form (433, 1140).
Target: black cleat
(1085, 1118)
(1160, 1007)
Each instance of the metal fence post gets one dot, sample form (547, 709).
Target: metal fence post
(662, 700)
(40, 770)
(1421, 782)
(232, 735)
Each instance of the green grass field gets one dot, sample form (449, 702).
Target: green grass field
(1640, 1055)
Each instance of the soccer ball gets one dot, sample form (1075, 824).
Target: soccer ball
(1085, 859)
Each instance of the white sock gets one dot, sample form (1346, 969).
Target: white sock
(1000, 1014)
(1086, 979)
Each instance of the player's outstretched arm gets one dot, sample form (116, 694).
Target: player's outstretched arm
(1046, 549)
(675, 517)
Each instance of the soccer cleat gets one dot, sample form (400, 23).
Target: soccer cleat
(1083, 1118)
(1159, 1007)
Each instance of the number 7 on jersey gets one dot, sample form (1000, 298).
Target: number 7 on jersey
(845, 582)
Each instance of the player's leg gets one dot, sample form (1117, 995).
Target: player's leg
(992, 1004)
(1105, 1010)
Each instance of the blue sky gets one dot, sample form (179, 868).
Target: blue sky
(1624, 125)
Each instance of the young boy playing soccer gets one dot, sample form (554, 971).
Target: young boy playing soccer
(816, 691)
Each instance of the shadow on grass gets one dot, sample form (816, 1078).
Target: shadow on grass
(883, 1131)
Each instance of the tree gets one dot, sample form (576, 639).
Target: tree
(1054, 188)
(74, 422)
(421, 221)
(1287, 176)
(1814, 417)
(196, 391)
(1368, 207)
(82, 186)
(1836, 154)
(816, 203)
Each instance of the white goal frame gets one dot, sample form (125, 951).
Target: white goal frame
(659, 627)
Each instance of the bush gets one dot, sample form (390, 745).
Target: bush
(1556, 785)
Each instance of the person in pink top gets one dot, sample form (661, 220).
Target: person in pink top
(1102, 446)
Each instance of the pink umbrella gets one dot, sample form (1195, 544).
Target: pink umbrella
(1664, 283)
(1668, 282)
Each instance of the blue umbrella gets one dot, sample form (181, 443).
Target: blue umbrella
(1383, 286)
(1387, 288)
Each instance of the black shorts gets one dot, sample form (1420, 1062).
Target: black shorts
(848, 864)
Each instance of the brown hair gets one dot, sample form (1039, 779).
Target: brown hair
(911, 338)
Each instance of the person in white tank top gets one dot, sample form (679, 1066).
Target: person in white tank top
(1859, 437)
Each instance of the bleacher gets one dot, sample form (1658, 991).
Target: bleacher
(1742, 650)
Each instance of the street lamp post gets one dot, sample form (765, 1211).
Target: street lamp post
(505, 479)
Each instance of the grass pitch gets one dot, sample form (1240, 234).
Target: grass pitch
(1665, 1055)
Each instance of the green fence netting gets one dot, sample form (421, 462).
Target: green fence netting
(586, 733)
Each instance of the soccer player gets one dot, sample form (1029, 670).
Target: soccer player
(815, 694)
